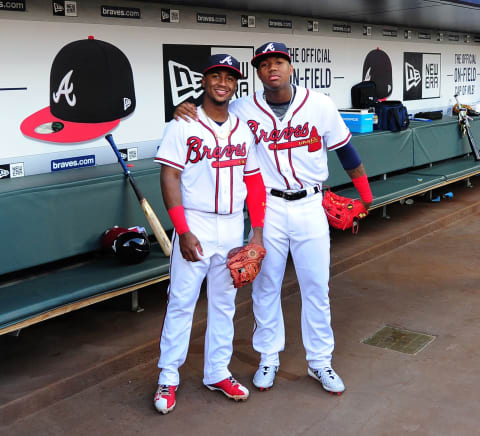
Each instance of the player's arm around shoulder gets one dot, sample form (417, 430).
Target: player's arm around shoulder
(185, 111)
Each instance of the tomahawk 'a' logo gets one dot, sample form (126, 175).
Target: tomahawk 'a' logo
(269, 47)
(185, 83)
(227, 60)
(368, 75)
(65, 88)
(412, 76)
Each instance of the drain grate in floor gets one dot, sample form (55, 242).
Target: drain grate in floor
(398, 339)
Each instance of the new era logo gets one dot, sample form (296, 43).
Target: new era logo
(126, 103)
(412, 76)
(185, 83)
(4, 173)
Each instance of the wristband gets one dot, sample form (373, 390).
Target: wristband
(363, 188)
(177, 215)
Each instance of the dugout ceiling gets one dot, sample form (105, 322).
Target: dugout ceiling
(460, 16)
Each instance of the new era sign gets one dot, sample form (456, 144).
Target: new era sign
(183, 66)
(421, 75)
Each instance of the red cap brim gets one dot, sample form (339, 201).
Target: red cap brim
(71, 132)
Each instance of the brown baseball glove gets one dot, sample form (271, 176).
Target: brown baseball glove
(244, 263)
(342, 212)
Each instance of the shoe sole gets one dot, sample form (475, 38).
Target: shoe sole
(233, 397)
(311, 374)
(263, 388)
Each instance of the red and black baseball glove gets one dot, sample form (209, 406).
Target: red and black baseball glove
(342, 212)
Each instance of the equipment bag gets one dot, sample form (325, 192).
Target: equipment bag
(364, 95)
(432, 115)
(392, 115)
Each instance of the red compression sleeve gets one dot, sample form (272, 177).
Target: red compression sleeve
(363, 188)
(256, 199)
(177, 215)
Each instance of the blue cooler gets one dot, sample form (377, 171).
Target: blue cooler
(358, 120)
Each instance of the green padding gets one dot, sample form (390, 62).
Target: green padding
(381, 152)
(437, 141)
(452, 169)
(22, 300)
(396, 187)
(54, 216)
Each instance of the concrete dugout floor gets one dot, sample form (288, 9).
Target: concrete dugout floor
(93, 372)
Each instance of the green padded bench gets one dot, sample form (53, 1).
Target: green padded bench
(425, 156)
(52, 225)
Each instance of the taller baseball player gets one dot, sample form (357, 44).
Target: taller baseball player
(209, 169)
(294, 128)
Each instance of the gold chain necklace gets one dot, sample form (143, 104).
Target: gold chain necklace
(215, 127)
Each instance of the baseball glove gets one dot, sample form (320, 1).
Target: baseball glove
(244, 263)
(342, 212)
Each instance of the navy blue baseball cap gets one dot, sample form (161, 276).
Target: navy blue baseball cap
(270, 49)
(223, 61)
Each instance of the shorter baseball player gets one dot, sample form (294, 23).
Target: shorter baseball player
(209, 169)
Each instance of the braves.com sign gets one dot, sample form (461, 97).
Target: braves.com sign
(421, 75)
(183, 66)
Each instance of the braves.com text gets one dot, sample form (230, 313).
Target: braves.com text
(75, 162)
(12, 6)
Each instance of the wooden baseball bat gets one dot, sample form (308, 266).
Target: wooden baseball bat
(152, 219)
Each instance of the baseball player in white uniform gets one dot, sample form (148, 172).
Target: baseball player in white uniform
(294, 127)
(209, 169)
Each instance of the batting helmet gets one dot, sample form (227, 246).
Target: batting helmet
(129, 245)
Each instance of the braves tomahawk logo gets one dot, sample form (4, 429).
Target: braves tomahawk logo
(309, 137)
(269, 47)
(65, 88)
(197, 152)
(227, 60)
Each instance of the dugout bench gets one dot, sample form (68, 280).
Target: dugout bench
(426, 156)
(51, 228)
(52, 223)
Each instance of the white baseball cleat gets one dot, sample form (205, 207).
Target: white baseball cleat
(231, 388)
(329, 379)
(164, 400)
(264, 377)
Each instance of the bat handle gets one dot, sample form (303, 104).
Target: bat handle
(109, 138)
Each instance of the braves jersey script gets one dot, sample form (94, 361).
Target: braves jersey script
(292, 153)
(213, 160)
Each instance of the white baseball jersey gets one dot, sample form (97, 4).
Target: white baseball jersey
(292, 152)
(213, 160)
(292, 155)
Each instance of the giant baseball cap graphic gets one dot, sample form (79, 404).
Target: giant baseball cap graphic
(91, 90)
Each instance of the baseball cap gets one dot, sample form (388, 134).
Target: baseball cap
(223, 61)
(377, 67)
(91, 89)
(270, 49)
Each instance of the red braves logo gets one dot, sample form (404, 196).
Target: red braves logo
(313, 141)
(197, 152)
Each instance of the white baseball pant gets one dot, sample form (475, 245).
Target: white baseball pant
(218, 234)
(299, 226)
